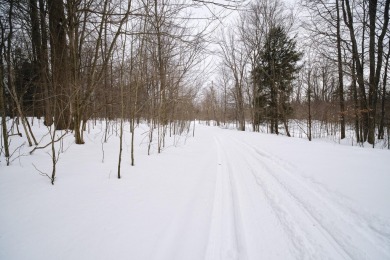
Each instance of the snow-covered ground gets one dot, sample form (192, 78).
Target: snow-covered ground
(222, 194)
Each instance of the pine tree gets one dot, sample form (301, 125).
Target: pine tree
(275, 69)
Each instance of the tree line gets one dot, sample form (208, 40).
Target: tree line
(71, 61)
(319, 61)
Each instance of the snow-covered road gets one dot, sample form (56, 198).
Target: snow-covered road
(224, 195)
(262, 201)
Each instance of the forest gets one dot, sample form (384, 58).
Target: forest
(262, 65)
(194, 129)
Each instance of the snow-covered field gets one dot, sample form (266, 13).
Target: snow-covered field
(222, 194)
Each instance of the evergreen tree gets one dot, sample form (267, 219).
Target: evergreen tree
(275, 69)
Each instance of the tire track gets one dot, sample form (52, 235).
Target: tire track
(240, 206)
(294, 219)
(226, 239)
(368, 224)
(337, 227)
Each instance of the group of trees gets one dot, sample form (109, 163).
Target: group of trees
(323, 60)
(355, 36)
(75, 60)
(69, 61)
(259, 63)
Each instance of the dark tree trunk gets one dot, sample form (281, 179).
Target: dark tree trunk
(74, 77)
(340, 72)
(372, 92)
(378, 68)
(240, 105)
(2, 96)
(309, 104)
(36, 51)
(384, 82)
(356, 105)
(161, 67)
(59, 64)
(44, 67)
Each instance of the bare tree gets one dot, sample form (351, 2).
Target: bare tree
(340, 70)
(384, 84)
(11, 76)
(2, 95)
(234, 58)
(376, 38)
(59, 63)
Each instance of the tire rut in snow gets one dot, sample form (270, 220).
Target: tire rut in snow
(226, 239)
(240, 207)
(290, 196)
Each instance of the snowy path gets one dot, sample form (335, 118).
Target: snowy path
(224, 195)
(261, 202)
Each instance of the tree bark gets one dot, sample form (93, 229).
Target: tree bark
(356, 105)
(59, 64)
(309, 104)
(44, 67)
(340, 72)
(381, 131)
(2, 97)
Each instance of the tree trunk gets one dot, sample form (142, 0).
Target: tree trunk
(59, 64)
(378, 68)
(372, 92)
(384, 83)
(2, 97)
(36, 51)
(348, 20)
(240, 105)
(285, 122)
(356, 105)
(161, 65)
(340, 72)
(309, 104)
(44, 67)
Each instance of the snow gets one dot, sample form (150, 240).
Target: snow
(222, 194)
